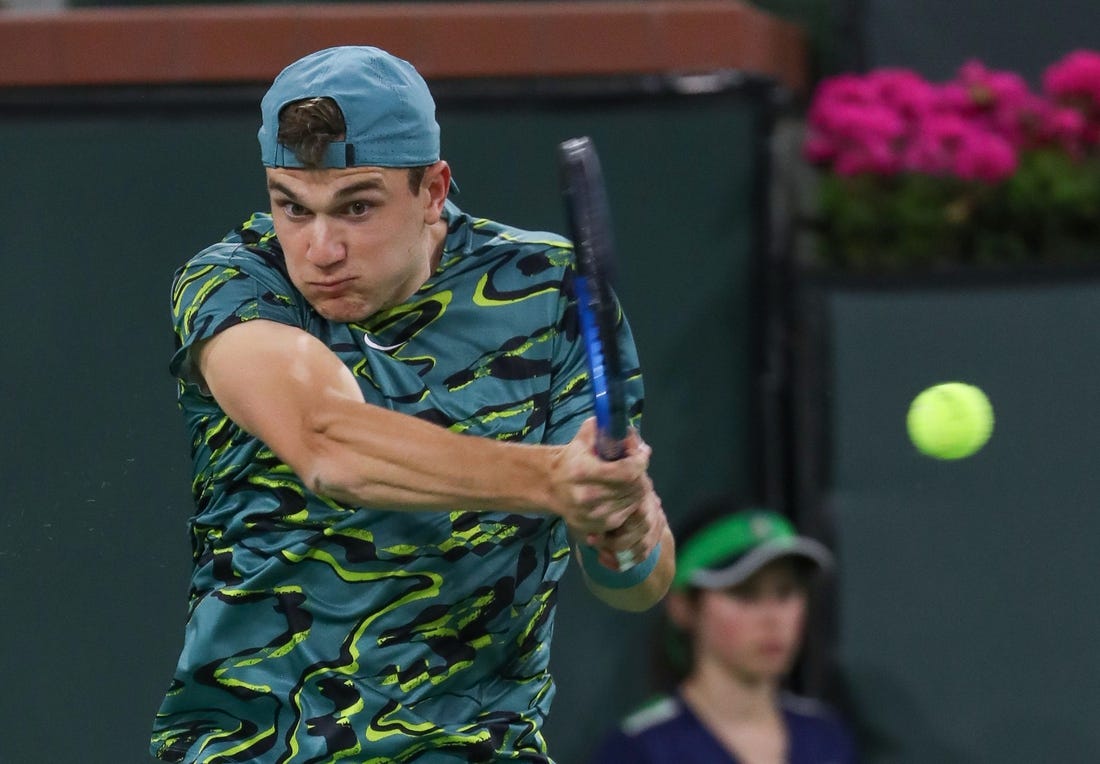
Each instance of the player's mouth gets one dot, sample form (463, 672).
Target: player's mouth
(332, 286)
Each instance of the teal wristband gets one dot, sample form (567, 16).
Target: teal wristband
(617, 579)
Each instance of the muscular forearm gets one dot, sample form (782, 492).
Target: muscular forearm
(370, 456)
(289, 390)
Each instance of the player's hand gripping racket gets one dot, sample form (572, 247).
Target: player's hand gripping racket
(589, 220)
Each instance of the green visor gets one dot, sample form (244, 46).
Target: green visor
(726, 552)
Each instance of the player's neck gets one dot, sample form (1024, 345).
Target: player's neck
(429, 253)
(437, 237)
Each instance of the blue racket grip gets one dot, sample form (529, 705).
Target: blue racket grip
(608, 446)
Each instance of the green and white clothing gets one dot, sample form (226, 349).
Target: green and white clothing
(319, 631)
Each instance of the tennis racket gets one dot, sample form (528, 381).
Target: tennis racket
(589, 221)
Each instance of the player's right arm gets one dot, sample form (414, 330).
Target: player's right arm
(288, 389)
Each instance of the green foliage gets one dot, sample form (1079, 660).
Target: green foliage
(1048, 211)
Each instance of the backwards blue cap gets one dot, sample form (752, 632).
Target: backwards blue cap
(388, 109)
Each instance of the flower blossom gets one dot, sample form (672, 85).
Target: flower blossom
(980, 168)
(948, 145)
(851, 130)
(999, 100)
(1074, 82)
(1075, 76)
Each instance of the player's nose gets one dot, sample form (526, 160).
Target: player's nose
(326, 244)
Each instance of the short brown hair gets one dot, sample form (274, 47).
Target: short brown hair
(308, 127)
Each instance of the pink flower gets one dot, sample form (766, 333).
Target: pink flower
(968, 169)
(875, 157)
(857, 123)
(904, 91)
(1077, 76)
(1075, 83)
(1000, 101)
(1064, 127)
(985, 157)
(860, 123)
(843, 88)
(990, 88)
(850, 130)
(948, 145)
(973, 127)
(932, 150)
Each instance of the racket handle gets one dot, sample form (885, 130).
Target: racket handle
(608, 447)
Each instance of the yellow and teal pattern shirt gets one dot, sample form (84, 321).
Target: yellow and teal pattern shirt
(321, 632)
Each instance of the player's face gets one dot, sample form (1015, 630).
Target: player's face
(753, 630)
(357, 240)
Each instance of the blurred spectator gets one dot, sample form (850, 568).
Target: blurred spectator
(735, 620)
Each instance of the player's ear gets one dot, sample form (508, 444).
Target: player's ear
(437, 182)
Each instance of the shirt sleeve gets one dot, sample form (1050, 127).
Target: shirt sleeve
(571, 393)
(223, 287)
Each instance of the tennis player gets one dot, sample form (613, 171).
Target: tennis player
(389, 418)
(737, 613)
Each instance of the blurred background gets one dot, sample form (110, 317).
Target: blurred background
(779, 365)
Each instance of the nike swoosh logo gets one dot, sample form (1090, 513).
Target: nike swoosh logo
(384, 348)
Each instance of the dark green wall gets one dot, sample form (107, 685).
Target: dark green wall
(107, 192)
(93, 558)
(936, 37)
(967, 617)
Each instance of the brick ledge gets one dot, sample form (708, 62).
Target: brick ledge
(251, 43)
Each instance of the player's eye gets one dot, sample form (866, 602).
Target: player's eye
(294, 210)
(358, 208)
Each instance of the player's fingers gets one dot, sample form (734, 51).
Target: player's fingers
(637, 541)
(603, 519)
(579, 464)
(632, 542)
(637, 447)
(625, 523)
(630, 534)
(623, 559)
(602, 509)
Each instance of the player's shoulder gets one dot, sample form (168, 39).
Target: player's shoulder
(257, 231)
(250, 245)
(484, 237)
(246, 263)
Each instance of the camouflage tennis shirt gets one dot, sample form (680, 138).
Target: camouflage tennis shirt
(319, 631)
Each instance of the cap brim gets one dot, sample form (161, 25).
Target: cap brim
(802, 548)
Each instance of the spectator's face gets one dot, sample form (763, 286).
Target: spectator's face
(356, 240)
(753, 630)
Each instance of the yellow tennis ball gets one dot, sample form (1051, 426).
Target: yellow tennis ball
(951, 420)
